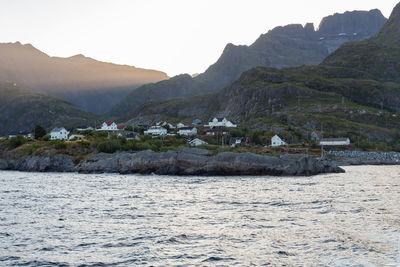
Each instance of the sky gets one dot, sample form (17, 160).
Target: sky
(174, 36)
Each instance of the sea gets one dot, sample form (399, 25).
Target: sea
(68, 219)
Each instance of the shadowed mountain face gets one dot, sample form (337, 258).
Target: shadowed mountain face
(292, 45)
(22, 110)
(91, 85)
(357, 87)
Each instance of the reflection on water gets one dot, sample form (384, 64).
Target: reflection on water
(72, 219)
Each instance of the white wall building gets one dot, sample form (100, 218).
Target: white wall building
(187, 131)
(277, 141)
(180, 125)
(221, 122)
(108, 126)
(156, 130)
(197, 142)
(59, 134)
(335, 142)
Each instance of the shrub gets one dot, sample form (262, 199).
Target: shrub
(46, 137)
(39, 132)
(17, 141)
(109, 146)
(60, 145)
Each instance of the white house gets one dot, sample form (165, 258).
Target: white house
(108, 126)
(59, 134)
(76, 136)
(197, 142)
(335, 142)
(156, 130)
(180, 125)
(277, 141)
(221, 122)
(238, 141)
(187, 131)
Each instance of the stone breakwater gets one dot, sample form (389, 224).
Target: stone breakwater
(185, 162)
(364, 158)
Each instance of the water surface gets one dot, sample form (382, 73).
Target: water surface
(76, 219)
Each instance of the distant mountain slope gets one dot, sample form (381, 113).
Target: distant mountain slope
(353, 92)
(22, 110)
(91, 85)
(378, 56)
(292, 45)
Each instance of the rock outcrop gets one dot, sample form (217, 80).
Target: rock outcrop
(186, 162)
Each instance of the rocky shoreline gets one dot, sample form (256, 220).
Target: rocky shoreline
(355, 158)
(185, 162)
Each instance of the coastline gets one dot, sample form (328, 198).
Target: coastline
(185, 162)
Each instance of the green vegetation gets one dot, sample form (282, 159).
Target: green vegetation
(39, 132)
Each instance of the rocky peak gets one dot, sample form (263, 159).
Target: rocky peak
(350, 23)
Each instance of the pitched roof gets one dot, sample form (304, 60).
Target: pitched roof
(109, 123)
(58, 129)
(186, 128)
(121, 127)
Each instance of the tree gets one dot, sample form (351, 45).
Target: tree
(39, 132)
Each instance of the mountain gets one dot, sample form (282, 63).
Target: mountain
(89, 84)
(288, 46)
(354, 92)
(378, 56)
(22, 110)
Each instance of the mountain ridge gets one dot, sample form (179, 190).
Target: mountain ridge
(78, 79)
(283, 46)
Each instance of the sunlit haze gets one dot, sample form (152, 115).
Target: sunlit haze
(174, 36)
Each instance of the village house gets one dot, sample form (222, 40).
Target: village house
(197, 142)
(156, 130)
(277, 141)
(108, 126)
(197, 122)
(220, 122)
(165, 124)
(335, 142)
(59, 134)
(27, 135)
(76, 136)
(187, 131)
(132, 136)
(316, 136)
(121, 127)
(234, 141)
(180, 125)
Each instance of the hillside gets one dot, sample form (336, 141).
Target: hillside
(22, 110)
(89, 84)
(352, 99)
(292, 45)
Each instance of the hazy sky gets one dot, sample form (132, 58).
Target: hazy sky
(175, 36)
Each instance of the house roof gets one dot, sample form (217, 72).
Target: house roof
(58, 129)
(109, 123)
(121, 127)
(219, 119)
(186, 128)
